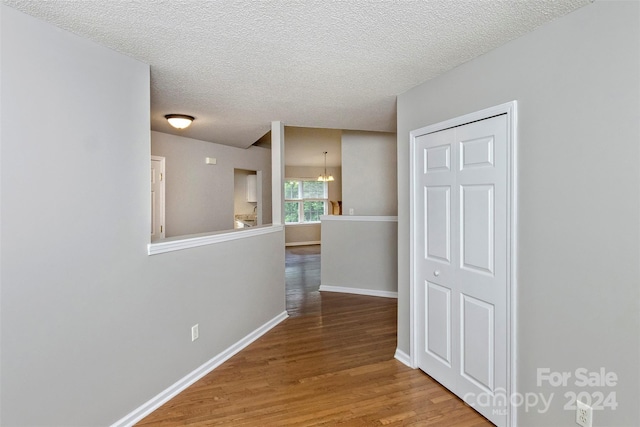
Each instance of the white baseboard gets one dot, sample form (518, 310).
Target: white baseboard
(162, 398)
(369, 292)
(403, 358)
(315, 242)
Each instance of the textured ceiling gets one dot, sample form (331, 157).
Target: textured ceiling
(238, 65)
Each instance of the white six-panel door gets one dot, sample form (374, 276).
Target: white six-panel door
(460, 261)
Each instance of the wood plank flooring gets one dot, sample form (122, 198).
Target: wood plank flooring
(330, 364)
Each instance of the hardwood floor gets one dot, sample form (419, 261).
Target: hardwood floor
(302, 276)
(330, 364)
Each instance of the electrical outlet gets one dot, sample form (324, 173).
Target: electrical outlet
(194, 332)
(351, 211)
(584, 414)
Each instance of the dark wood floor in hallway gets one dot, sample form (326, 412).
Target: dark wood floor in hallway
(329, 364)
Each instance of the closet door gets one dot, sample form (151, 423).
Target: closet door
(461, 237)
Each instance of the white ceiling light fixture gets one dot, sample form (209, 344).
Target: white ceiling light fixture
(179, 121)
(325, 177)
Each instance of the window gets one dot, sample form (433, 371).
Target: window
(304, 200)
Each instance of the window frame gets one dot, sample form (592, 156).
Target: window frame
(301, 200)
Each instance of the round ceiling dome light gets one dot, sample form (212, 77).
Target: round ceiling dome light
(179, 121)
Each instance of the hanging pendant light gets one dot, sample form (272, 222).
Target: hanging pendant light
(325, 177)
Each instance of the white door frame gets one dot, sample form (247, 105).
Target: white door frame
(510, 109)
(162, 212)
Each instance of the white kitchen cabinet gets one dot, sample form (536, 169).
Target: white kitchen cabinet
(252, 188)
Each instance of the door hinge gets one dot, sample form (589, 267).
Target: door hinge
(161, 176)
(161, 228)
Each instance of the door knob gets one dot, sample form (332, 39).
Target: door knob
(436, 273)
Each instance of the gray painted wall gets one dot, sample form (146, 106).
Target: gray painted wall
(200, 197)
(577, 82)
(307, 234)
(304, 146)
(91, 326)
(359, 253)
(369, 173)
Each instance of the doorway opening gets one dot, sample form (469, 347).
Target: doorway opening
(247, 197)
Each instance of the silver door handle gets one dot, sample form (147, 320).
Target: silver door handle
(436, 273)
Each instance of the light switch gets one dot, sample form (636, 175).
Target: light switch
(210, 160)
